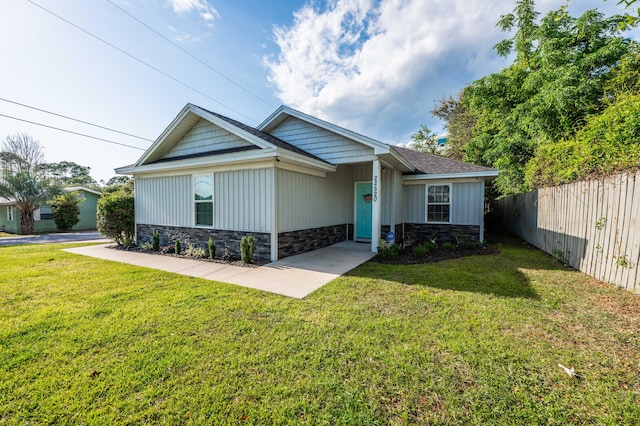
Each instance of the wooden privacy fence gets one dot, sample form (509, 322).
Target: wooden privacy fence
(593, 225)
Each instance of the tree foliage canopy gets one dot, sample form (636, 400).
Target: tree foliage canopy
(68, 173)
(22, 182)
(565, 70)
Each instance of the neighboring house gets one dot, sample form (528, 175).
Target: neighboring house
(297, 183)
(10, 216)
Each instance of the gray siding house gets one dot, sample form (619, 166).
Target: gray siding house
(297, 183)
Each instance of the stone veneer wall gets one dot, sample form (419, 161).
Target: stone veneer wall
(384, 229)
(198, 237)
(422, 232)
(296, 242)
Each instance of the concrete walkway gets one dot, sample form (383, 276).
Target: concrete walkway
(295, 276)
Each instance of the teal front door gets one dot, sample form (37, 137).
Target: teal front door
(363, 211)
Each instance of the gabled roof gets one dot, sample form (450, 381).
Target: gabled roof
(191, 114)
(282, 113)
(81, 188)
(266, 136)
(436, 165)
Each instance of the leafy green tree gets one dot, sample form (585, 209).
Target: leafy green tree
(22, 182)
(68, 173)
(66, 210)
(424, 141)
(609, 143)
(557, 80)
(116, 184)
(459, 123)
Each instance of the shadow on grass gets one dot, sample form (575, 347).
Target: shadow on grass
(500, 275)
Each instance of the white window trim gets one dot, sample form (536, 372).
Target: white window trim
(10, 213)
(193, 199)
(426, 203)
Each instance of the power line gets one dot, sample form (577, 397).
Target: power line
(74, 119)
(72, 132)
(190, 54)
(124, 52)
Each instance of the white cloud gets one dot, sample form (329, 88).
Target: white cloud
(207, 12)
(378, 66)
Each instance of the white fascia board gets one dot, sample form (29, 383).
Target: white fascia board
(483, 174)
(170, 128)
(189, 163)
(231, 128)
(190, 108)
(379, 147)
(81, 188)
(228, 159)
(304, 160)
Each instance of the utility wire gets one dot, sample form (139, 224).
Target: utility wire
(72, 132)
(191, 54)
(124, 52)
(74, 119)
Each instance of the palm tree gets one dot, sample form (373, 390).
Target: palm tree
(27, 192)
(22, 182)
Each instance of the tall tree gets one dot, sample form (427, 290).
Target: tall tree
(22, 181)
(459, 122)
(561, 67)
(68, 173)
(424, 140)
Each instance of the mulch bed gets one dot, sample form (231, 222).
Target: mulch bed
(406, 256)
(164, 252)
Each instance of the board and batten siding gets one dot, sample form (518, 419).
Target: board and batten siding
(164, 201)
(306, 202)
(322, 143)
(204, 137)
(243, 200)
(467, 203)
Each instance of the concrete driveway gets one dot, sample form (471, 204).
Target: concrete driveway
(295, 276)
(67, 237)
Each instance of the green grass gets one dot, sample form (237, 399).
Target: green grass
(5, 234)
(470, 341)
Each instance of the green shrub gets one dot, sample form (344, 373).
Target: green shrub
(388, 250)
(65, 210)
(177, 249)
(448, 246)
(146, 246)
(419, 251)
(212, 248)
(609, 143)
(468, 245)
(116, 217)
(429, 246)
(247, 247)
(156, 240)
(196, 252)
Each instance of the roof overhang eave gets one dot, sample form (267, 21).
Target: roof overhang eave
(486, 175)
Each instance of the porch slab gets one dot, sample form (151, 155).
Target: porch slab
(296, 276)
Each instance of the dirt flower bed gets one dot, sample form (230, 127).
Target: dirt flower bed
(406, 256)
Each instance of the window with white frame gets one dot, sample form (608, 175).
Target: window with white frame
(439, 203)
(10, 213)
(203, 199)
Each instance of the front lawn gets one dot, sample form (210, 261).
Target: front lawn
(475, 340)
(5, 234)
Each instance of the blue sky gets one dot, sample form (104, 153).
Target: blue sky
(374, 66)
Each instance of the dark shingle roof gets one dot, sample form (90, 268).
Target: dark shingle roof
(435, 164)
(266, 136)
